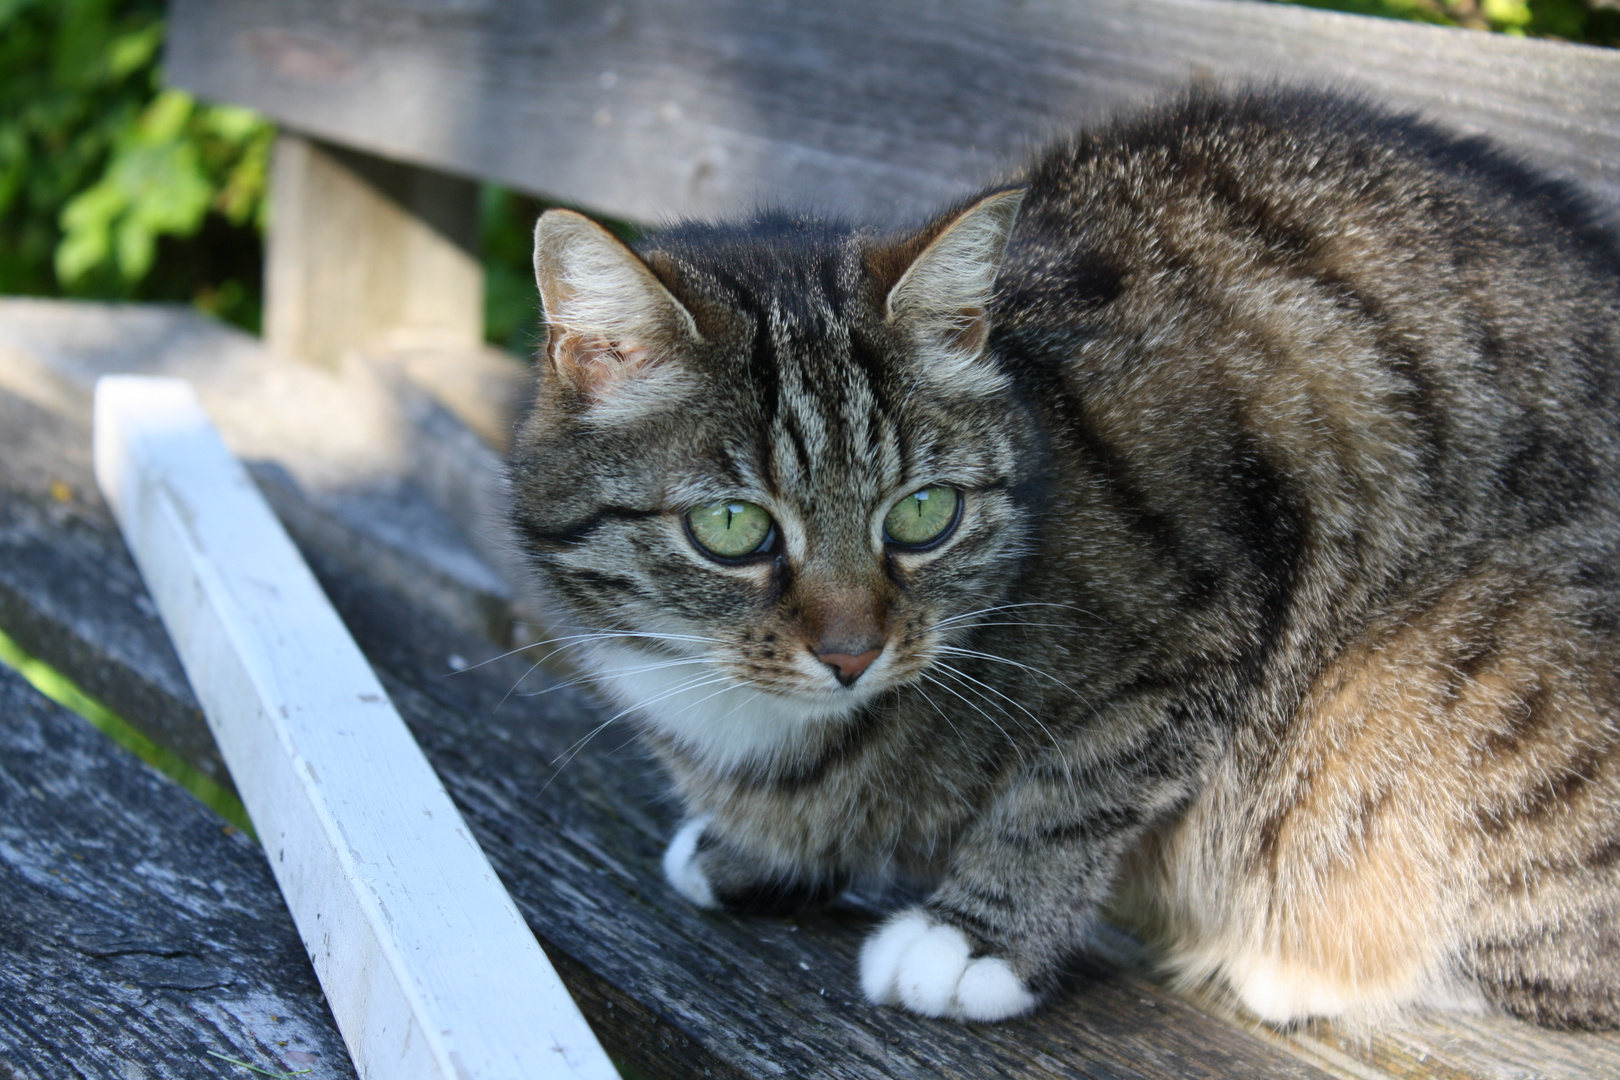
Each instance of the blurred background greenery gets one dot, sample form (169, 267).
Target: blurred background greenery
(113, 186)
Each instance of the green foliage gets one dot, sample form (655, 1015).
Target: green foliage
(511, 301)
(1590, 22)
(111, 186)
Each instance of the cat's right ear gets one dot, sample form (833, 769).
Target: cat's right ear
(611, 325)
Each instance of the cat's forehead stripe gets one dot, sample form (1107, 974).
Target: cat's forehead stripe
(830, 422)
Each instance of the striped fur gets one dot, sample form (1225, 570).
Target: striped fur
(1283, 612)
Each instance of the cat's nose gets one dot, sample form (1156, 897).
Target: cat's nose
(848, 666)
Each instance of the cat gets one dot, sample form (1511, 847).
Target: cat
(1215, 525)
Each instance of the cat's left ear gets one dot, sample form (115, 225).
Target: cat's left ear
(943, 297)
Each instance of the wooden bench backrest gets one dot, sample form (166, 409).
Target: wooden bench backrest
(647, 110)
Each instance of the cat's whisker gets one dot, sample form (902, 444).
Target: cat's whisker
(1020, 706)
(1017, 749)
(978, 689)
(730, 685)
(576, 639)
(583, 639)
(957, 620)
(560, 762)
(617, 673)
(955, 651)
(679, 688)
(753, 696)
(532, 668)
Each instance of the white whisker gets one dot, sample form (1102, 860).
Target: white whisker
(561, 760)
(1056, 746)
(954, 651)
(957, 620)
(574, 640)
(616, 673)
(974, 705)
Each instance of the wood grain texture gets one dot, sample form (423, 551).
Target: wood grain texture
(366, 251)
(426, 962)
(101, 626)
(364, 460)
(676, 992)
(645, 109)
(141, 933)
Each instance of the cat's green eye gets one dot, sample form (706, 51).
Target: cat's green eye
(731, 528)
(923, 517)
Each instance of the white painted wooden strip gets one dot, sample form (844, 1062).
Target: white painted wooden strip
(429, 968)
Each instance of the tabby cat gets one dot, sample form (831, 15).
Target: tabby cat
(1217, 525)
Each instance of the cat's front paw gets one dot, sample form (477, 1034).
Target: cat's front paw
(927, 966)
(681, 865)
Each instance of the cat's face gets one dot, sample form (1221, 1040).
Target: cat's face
(770, 484)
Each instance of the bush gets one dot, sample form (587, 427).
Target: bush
(112, 186)
(1590, 22)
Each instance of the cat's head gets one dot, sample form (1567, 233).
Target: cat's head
(772, 468)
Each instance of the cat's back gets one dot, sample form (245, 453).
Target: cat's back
(1334, 397)
(1387, 312)
(1314, 179)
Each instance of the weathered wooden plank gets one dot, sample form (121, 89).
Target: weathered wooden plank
(99, 625)
(141, 933)
(649, 108)
(428, 966)
(337, 490)
(361, 460)
(674, 991)
(365, 252)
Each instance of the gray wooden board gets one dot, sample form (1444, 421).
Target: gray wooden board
(141, 934)
(649, 108)
(102, 627)
(674, 991)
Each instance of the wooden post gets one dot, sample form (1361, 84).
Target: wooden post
(365, 252)
(428, 966)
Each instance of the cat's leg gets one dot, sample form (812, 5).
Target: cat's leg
(1440, 829)
(713, 873)
(1562, 973)
(1023, 886)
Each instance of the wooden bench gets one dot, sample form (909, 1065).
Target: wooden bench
(142, 937)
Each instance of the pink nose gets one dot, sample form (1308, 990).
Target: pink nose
(846, 667)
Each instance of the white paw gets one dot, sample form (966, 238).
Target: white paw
(926, 966)
(681, 868)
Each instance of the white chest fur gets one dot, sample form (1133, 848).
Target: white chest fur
(725, 722)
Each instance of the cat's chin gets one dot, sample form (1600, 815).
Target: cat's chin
(726, 724)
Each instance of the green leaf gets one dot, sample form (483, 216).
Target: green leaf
(87, 238)
(128, 53)
(232, 123)
(165, 119)
(10, 10)
(135, 247)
